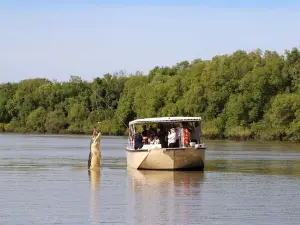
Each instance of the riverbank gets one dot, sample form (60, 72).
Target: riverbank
(239, 96)
(207, 135)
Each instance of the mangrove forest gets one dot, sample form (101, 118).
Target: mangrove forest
(240, 95)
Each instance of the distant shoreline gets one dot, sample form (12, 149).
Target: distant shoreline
(236, 139)
(239, 96)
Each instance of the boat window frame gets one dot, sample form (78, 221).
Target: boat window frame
(157, 121)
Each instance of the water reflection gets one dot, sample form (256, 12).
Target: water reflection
(243, 183)
(158, 196)
(94, 176)
(271, 167)
(141, 179)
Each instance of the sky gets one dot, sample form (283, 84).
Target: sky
(60, 38)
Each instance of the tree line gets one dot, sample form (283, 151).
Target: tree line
(240, 95)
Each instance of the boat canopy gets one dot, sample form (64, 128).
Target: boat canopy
(165, 120)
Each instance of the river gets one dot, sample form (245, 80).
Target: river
(44, 180)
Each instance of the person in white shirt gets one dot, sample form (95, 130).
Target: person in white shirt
(172, 138)
(155, 141)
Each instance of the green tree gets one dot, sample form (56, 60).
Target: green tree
(55, 121)
(36, 120)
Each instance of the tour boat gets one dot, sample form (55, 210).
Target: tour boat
(156, 148)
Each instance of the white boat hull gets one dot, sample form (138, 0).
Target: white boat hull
(166, 159)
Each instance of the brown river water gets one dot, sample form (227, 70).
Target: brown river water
(44, 180)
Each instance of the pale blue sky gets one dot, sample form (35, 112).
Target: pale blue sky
(59, 38)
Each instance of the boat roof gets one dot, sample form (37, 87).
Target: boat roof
(164, 120)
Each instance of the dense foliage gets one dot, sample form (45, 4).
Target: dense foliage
(242, 95)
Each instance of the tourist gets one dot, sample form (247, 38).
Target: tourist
(172, 138)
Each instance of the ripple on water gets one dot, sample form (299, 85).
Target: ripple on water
(44, 180)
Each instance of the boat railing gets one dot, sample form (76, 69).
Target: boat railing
(151, 146)
(158, 146)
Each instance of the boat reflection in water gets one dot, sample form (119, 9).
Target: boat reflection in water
(161, 195)
(94, 176)
(141, 179)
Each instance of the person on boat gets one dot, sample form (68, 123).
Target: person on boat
(131, 137)
(195, 133)
(155, 140)
(162, 136)
(152, 131)
(178, 135)
(150, 139)
(172, 138)
(145, 134)
(138, 141)
(186, 137)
